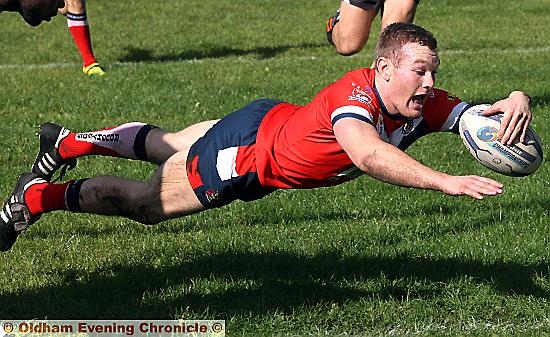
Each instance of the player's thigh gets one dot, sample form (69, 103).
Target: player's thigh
(355, 22)
(398, 11)
(172, 188)
(188, 136)
(161, 145)
(183, 139)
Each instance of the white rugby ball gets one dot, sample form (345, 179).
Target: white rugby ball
(479, 134)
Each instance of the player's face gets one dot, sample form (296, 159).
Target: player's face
(33, 11)
(413, 79)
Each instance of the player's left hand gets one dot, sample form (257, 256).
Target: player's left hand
(474, 186)
(516, 117)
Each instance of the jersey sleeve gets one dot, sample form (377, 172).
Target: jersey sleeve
(351, 111)
(443, 111)
(350, 97)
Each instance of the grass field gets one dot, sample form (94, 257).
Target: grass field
(361, 259)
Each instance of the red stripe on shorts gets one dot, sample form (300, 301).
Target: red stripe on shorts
(193, 173)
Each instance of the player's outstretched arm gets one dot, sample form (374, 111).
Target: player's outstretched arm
(387, 163)
(517, 116)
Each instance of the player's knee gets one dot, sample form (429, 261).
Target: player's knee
(144, 214)
(145, 207)
(148, 213)
(348, 48)
(348, 52)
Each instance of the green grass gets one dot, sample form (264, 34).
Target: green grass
(360, 259)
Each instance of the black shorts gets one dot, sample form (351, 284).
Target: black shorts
(369, 4)
(221, 165)
(365, 4)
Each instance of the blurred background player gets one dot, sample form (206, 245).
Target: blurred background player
(77, 20)
(33, 11)
(349, 29)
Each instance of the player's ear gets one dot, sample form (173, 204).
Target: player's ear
(383, 66)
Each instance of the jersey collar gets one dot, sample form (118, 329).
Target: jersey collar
(383, 107)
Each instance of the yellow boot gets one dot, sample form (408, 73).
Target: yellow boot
(93, 69)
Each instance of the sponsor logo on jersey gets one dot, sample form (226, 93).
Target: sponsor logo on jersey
(361, 95)
(98, 137)
(408, 126)
(487, 134)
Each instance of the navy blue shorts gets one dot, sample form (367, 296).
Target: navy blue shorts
(221, 165)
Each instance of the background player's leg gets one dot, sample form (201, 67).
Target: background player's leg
(398, 11)
(77, 21)
(352, 31)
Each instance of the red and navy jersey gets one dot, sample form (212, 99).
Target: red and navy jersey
(296, 146)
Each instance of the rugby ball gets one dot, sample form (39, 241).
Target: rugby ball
(479, 134)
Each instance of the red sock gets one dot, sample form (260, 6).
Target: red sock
(79, 28)
(46, 197)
